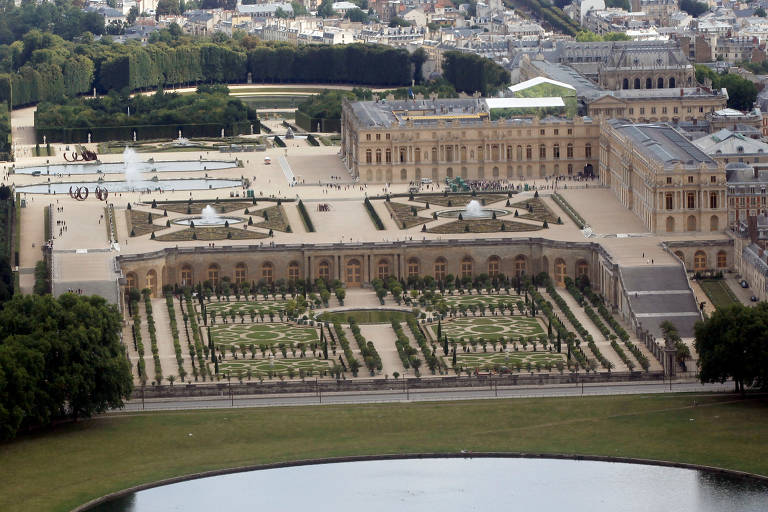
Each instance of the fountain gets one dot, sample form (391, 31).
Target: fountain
(131, 167)
(208, 217)
(473, 211)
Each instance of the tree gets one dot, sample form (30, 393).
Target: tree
(357, 15)
(418, 58)
(326, 9)
(59, 358)
(693, 7)
(397, 21)
(760, 12)
(733, 343)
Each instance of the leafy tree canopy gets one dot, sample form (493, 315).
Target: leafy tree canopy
(693, 7)
(59, 358)
(742, 93)
(733, 343)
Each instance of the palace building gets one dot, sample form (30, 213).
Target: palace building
(404, 141)
(658, 174)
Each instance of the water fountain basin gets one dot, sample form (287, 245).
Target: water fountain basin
(483, 213)
(202, 222)
(473, 211)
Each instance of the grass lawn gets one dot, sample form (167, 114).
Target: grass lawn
(225, 308)
(486, 360)
(457, 300)
(490, 327)
(59, 470)
(365, 316)
(718, 292)
(262, 333)
(277, 367)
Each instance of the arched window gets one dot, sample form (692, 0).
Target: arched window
(637, 83)
(354, 272)
(152, 283)
(699, 261)
(368, 156)
(648, 83)
(672, 82)
(519, 152)
(417, 155)
(213, 275)
(691, 224)
(542, 151)
(660, 83)
(569, 150)
(570, 169)
(588, 150)
(464, 173)
(529, 152)
(582, 268)
(466, 267)
(494, 266)
(241, 273)
(722, 259)
(560, 271)
(382, 269)
(324, 270)
(670, 224)
(440, 269)
(413, 267)
(417, 175)
(449, 172)
(131, 282)
(403, 155)
(521, 265)
(403, 175)
(378, 156)
(388, 156)
(293, 271)
(625, 84)
(267, 272)
(495, 172)
(556, 151)
(714, 223)
(186, 275)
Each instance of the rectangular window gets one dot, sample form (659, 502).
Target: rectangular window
(556, 152)
(663, 110)
(631, 111)
(653, 110)
(690, 179)
(570, 131)
(668, 200)
(378, 136)
(557, 132)
(713, 200)
(542, 152)
(367, 136)
(542, 132)
(713, 179)
(675, 110)
(669, 181)
(691, 200)
(642, 110)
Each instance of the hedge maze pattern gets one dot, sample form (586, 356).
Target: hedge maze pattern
(492, 328)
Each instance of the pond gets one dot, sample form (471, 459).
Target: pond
(136, 185)
(365, 316)
(457, 484)
(119, 167)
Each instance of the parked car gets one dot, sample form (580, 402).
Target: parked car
(753, 298)
(744, 284)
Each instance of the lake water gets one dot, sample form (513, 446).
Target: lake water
(482, 484)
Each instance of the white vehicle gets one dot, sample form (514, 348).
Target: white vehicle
(267, 160)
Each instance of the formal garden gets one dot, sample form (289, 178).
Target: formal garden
(494, 328)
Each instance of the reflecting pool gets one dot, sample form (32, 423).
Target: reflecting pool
(136, 185)
(119, 167)
(457, 484)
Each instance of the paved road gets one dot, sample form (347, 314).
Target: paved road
(402, 395)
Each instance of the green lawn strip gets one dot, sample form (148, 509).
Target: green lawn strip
(541, 211)
(225, 308)
(364, 316)
(406, 216)
(141, 222)
(457, 300)
(262, 334)
(59, 470)
(484, 361)
(482, 226)
(718, 292)
(274, 218)
(491, 328)
(278, 366)
(217, 233)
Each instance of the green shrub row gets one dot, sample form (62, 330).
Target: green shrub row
(279, 142)
(370, 354)
(153, 339)
(175, 335)
(557, 324)
(374, 216)
(568, 209)
(305, 217)
(312, 140)
(198, 349)
(404, 349)
(433, 362)
(139, 345)
(354, 364)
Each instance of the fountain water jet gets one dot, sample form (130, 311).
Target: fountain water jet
(132, 165)
(473, 211)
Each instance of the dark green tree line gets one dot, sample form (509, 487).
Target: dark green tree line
(470, 73)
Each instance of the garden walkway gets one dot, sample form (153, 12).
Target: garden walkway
(383, 338)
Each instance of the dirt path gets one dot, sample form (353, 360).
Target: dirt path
(383, 338)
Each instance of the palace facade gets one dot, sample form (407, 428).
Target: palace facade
(405, 141)
(669, 183)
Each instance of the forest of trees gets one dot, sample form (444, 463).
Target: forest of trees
(470, 73)
(61, 18)
(155, 116)
(46, 67)
(549, 13)
(5, 133)
(60, 358)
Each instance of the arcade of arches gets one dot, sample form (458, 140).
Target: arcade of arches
(357, 268)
